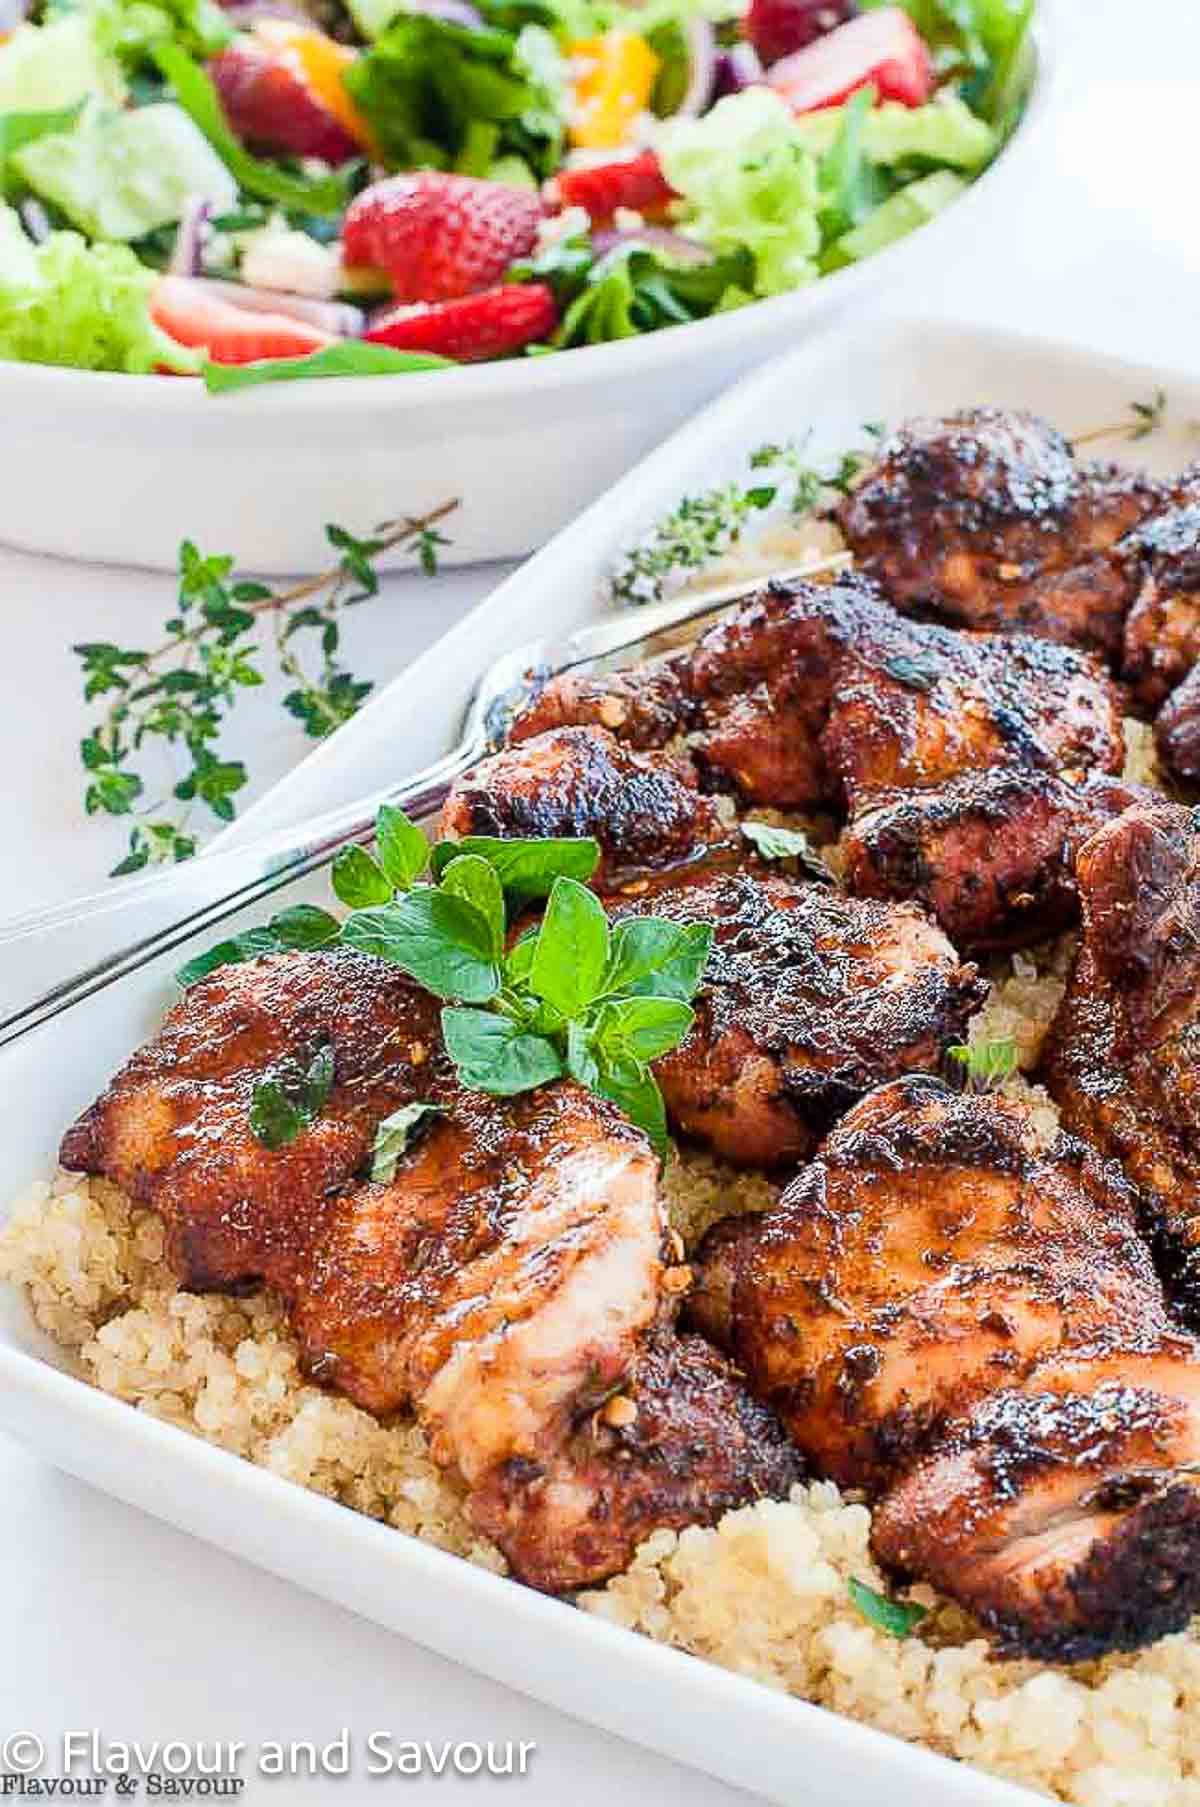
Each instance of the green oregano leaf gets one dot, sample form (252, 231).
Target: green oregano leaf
(477, 883)
(275, 1118)
(359, 880)
(634, 1090)
(985, 1064)
(494, 1054)
(571, 953)
(643, 1028)
(899, 1618)
(772, 842)
(440, 941)
(395, 1136)
(289, 1099)
(911, 673)
(302, 926)
(403, 849)
(526, 868)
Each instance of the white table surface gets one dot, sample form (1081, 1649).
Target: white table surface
(118, 1622)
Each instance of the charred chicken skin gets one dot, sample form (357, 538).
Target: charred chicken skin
(810, 998)
(173, 1128)
(507, 1283)
(983, 519)
(972, 1330)
(1123, 1057)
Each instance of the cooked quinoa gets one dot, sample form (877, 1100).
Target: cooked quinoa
(764, 1592)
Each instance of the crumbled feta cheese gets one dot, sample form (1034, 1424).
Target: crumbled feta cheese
(277, 258)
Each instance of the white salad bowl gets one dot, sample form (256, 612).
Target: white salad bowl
(120, 469)
(723, 1723)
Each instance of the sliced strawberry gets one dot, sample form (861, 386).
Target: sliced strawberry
(269, 104)
(230, 335)
(776, 28)
(474, 327)
(636, 182)
(882, 47)
(439, 236)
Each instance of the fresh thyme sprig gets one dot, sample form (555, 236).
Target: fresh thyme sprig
(705, 526)
(1145, 419)
(180, 693)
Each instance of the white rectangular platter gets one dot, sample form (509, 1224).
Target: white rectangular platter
(729, 1726)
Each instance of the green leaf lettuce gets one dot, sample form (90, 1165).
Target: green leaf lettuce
(749, 182)
(445, 96)
(66, 303)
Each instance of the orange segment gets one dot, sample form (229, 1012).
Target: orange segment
(320, 63)
(613, 86)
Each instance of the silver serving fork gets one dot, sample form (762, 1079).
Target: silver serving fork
(219, 884)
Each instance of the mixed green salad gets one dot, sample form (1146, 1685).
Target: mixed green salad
(269, 189)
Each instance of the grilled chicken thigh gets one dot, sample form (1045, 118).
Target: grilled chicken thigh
(968, 763)
(983, 519)
(809, 999)
(971, 1329)
(1177, 730)
(643, 809)
(508, 1281)
(682, 1443)
(971, 775)
(1123, 1056)
(645, 707)
(1162, 634)
(820, 694)
(990, 853)
(1065, 1513)
(173, 1128)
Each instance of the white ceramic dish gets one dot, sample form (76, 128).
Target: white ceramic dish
(686, 1709)
(119, 469)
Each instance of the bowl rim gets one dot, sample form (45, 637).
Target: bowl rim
(54, 385)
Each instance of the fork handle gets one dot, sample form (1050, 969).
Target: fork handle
(205, 891)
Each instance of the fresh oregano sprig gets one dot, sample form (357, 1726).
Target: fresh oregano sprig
(179, 694)
(574, 995)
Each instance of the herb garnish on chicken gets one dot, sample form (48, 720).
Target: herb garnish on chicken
(571, 996)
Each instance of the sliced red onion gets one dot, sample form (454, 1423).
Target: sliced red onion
(185, 259)
(35, 220)
(337, 317)
(737, 68)
(702, 69)
(655, 238)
